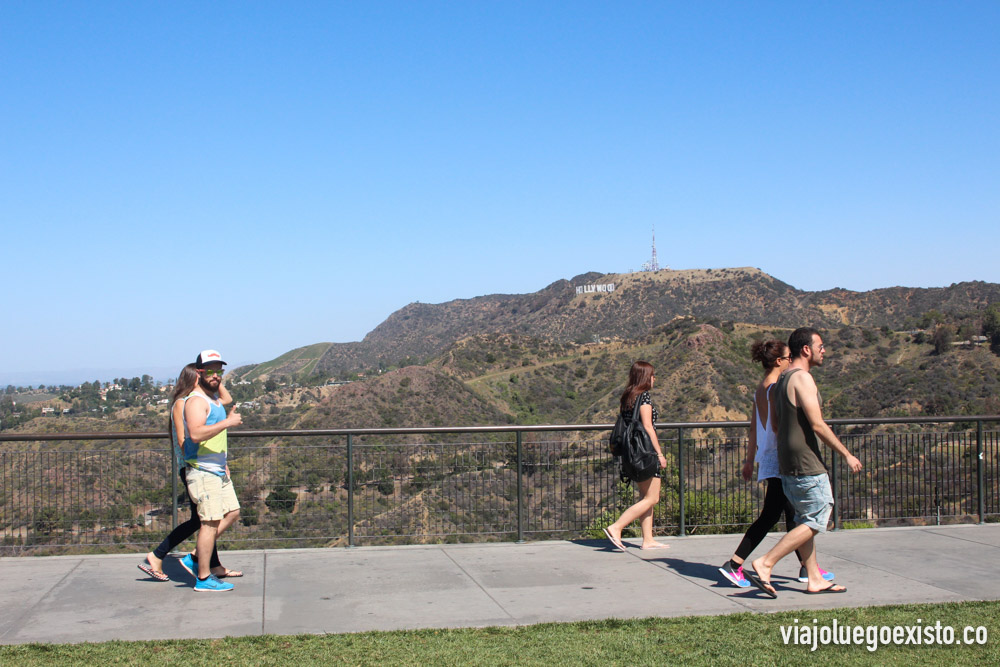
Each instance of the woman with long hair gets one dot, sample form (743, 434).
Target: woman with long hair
(640, 381)
(774, 356)
(153, 565)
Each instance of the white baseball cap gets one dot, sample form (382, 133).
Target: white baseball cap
(209, 357)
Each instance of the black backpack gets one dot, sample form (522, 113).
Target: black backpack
(639, 460)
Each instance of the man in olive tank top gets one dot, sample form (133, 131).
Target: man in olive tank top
(803, 475)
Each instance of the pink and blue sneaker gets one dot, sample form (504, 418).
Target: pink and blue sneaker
(804, 576)
(734, 576)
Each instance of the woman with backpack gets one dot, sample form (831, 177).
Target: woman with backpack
(640, 381)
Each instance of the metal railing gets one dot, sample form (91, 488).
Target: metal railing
(75, 492)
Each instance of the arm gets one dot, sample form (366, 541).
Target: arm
(224, 395)
(747, 470)
(177, 419)
(196, 412)
(806, 397)
(646, 415)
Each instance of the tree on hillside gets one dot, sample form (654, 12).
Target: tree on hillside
(942, 339)
(931, 318)
(991, 326)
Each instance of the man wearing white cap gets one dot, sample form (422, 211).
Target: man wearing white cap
(205, 451)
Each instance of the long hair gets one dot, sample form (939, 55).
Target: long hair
(186, 382)
(766, 352)
(640, 379)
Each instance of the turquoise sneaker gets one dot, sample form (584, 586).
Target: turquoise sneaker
(188, 564)
(212, 585)
(804, 576)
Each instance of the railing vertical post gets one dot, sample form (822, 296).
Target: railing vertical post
(350, 490)
(680, 479)
(980, 482)
(520, 488)
(174, 471)
(833, 488)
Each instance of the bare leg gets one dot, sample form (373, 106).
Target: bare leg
(800, 536)
(206, 543)
(154, 562)
(642, 510)
(646, 521)
(228, 520)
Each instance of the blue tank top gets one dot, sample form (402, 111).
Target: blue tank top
(208, 456)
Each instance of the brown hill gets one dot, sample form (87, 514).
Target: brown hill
(559, 314)
(409, 397)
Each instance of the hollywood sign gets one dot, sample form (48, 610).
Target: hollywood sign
(587, 289)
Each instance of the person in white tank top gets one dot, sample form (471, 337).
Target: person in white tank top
(774, 356)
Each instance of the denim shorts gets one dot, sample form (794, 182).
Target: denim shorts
(812, 498)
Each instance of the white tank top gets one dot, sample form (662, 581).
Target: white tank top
(767, 445)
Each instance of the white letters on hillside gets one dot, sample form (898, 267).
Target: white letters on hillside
(587, 289)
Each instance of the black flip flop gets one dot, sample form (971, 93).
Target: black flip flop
(762, 585)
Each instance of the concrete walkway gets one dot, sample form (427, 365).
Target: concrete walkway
(70, 599)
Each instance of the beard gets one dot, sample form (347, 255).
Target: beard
(207, 385)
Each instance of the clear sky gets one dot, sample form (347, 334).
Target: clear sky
(259, 176)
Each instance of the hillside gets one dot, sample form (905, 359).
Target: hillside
(409, 397)
(557, 314)
(704, 373)
(298, 362)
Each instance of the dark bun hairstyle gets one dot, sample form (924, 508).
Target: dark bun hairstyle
(767, 352)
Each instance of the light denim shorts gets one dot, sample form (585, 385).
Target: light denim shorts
(812, 498)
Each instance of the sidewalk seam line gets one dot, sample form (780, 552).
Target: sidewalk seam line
(690, 580)
(479, 585)
(263, 599)
(894, 572)
(24, 616)
(931, 529)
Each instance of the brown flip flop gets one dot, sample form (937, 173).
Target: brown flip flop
(155, 574)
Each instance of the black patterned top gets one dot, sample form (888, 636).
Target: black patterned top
(643, 399)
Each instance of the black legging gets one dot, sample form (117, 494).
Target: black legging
(184, 531)
(775, 503)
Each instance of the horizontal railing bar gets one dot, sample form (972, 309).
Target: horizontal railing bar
(536, 428)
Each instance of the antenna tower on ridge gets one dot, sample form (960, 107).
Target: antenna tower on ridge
(654, 265)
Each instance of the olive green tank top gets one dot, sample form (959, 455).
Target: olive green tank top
(798, 446)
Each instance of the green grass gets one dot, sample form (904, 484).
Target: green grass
(741, 639)
(855, 525)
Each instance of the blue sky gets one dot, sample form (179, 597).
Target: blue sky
(256, 177)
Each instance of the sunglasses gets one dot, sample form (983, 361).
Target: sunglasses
(208, 372)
